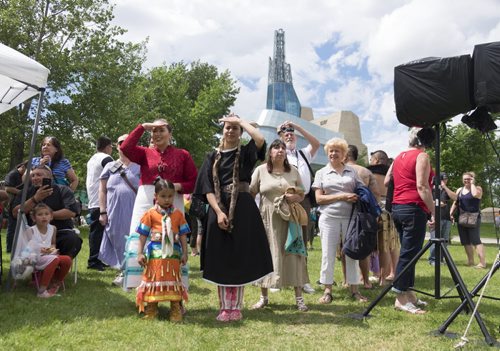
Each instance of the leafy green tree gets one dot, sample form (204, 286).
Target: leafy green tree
(191, 97)
(464, 149)
(92, 74)
(96, 86)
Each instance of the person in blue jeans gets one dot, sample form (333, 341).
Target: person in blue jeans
(444, 202)
(412, 207)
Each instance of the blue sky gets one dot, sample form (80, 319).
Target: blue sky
(342, 53)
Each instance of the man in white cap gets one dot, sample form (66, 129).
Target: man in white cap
(301, 159)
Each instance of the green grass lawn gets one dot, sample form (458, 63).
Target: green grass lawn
(487, 230)
(93, 315)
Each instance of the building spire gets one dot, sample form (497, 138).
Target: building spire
(281, 95)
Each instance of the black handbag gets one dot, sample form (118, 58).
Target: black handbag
(198, 208)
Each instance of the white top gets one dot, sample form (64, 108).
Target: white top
(42, 240)
(94, 169)
(295, 159)
(39, 241)
(331, 182)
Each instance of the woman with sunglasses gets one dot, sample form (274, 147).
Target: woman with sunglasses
(468, 198)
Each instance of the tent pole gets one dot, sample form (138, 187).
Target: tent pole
(26, 183)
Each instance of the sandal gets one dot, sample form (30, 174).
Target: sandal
(44, 294)
(421, 303)
(326, 298)
(480, 266)
(359, 297)
(368, 285)
(301, 306)
(263, 302)
(409, 308)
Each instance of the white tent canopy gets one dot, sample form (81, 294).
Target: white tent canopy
(20, 78)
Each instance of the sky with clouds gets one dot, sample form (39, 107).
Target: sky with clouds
(342, 53)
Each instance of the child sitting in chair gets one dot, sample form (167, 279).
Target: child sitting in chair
(41, 240)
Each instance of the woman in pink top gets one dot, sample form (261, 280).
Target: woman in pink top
(412, 206)
(162, 159)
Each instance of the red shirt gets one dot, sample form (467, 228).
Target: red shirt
(405, 179)
(173, 164)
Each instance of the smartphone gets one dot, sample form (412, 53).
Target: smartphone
(47, 181)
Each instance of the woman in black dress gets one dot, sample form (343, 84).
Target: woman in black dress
(235, 251)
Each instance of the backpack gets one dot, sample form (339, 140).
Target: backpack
(361, 235)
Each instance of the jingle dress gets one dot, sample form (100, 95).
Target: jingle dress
(161, 279)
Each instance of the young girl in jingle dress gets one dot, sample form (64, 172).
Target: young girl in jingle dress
(166, 251)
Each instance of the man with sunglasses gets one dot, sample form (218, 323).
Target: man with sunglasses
(95, 165)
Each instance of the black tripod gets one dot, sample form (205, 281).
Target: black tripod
(463, 293)
(463, 305)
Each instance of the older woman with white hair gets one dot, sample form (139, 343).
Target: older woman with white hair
(412, 206)
(334, 185)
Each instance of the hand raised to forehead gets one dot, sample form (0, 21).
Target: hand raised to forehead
(152, 125)
(231, 118)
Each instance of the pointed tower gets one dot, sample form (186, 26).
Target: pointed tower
(281, 95)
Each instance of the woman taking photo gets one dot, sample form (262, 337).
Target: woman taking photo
(273, 180)
(234, 250)
(412, 206)
(469, 197)
(52, 155)
(334, 186)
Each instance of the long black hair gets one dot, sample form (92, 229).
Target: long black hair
(274, 145)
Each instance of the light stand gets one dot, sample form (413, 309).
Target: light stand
(463, 293)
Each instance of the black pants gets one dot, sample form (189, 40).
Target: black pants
(68, 242)
(95, 238)
(11, 229)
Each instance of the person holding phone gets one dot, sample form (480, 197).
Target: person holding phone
(61, 200)
(47, 182)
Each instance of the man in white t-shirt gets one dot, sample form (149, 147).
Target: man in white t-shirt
(300, 159)
(95, 166)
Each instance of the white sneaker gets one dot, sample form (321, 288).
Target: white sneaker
(118, 281)
(308, 289)
(274, 290)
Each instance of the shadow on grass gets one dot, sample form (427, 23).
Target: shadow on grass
(277, 314)
(92, 297)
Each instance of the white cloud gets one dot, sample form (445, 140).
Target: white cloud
(365, 39)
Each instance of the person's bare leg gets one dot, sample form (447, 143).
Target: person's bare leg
(356, 294)
(394, 262)
(384, 258)
(263, 300)
(469, 251)
(480, 253)
(364, 266)
(401, 299)
(299, 300)
(344, 280)
(198, 242)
